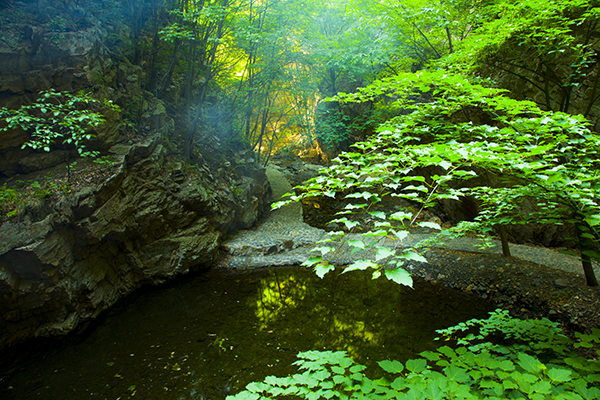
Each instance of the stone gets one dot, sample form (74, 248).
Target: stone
(39, 161)
(561, 283)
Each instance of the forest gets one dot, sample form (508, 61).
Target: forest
(490, 105)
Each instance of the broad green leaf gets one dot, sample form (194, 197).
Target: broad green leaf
(541, 387)
(497, 387)
(411, 255)
(360, 265)
(338, 370)
(431, 225)
(245, 395)
(364, 195)
(447, 351)
(323, 249)
(416, 365)
(433, 392)
(258, 387)
(506, 365)
(357, 368)
(391, 366)
(350, 224)
(593, 220)
(559, 374)
(400, 215)
(417, 178)
(279, 204)
(589, 393)
(400, 276)
(357, 243)
(430, 355)
(383, 252)
(445, 164)
(457, 374)
(401, 235)
(555, 178)
(321, 270)
(378, 214)
(312, 261)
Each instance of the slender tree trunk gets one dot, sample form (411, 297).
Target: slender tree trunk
(68, 162)
(503, 239)
(151, 86)
(592, 97)
(450, 46)
(211, 59)
(166, 81)
(585, 245)
(500, 229)
(191, 127)
(137, 27)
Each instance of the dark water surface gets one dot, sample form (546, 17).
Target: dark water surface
(210, 336)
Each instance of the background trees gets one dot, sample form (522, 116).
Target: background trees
(256, 73)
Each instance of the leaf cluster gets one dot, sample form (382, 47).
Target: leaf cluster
(505, 359)
(58, 116)
(511, 151)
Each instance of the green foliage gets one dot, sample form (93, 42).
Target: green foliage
(556, 37)
(332, 128)
(8, 200)
(505, 359)
(21, 195)
(57, 117)
(509, 150)
(105, 161)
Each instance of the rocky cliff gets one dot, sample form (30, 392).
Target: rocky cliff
(147, 217)
(148, 222)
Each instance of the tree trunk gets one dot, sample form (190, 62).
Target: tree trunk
(585, 245)
(166, 81)
(151, 86)
(191, 128)
(503, 239)
(500, 229)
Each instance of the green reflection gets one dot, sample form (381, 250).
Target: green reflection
(209, 337)
(277, 295)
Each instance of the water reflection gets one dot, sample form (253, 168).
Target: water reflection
(209, 337)
(277, 295)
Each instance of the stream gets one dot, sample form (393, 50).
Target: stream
(209, 336)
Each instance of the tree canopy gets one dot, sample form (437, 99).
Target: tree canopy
(496, 97)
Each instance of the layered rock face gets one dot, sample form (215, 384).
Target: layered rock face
(154, 218)
(149, 222)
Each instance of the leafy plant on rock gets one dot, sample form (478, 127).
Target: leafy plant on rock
(547, 46)
(58, 117)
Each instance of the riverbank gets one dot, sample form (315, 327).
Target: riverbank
(536, 282)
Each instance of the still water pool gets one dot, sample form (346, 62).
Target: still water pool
(210, 336)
